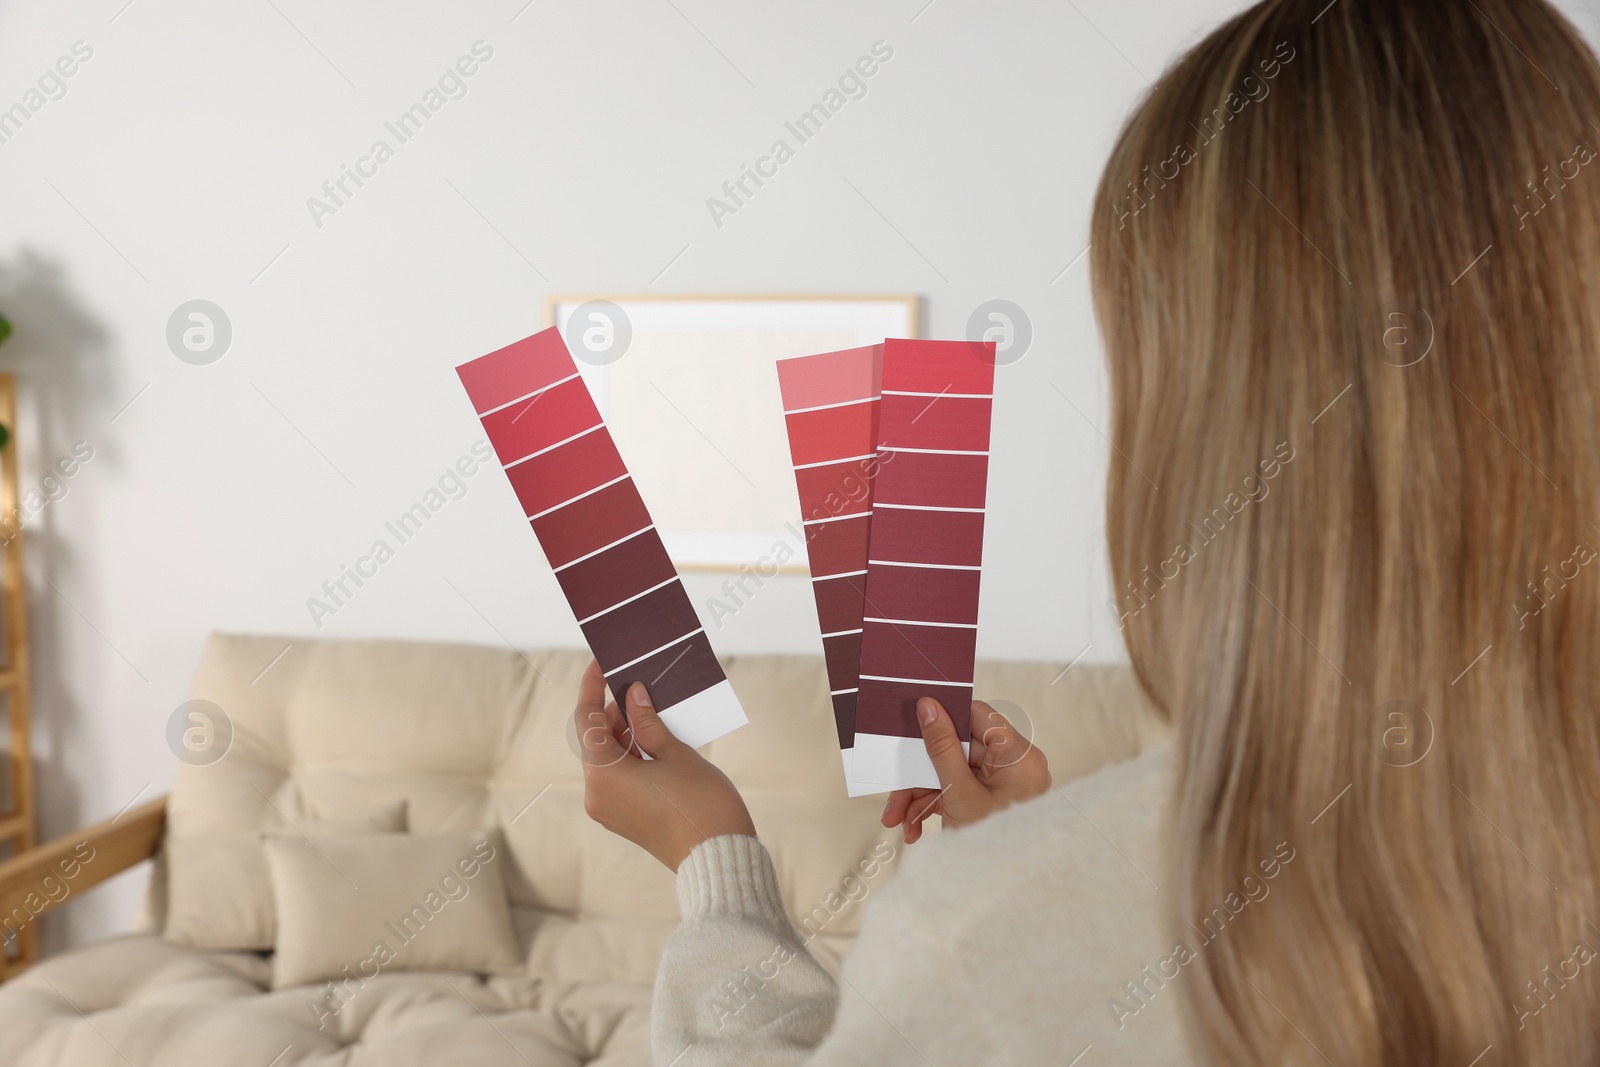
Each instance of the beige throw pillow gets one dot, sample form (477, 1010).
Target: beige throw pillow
(219, 892)
(351, 907)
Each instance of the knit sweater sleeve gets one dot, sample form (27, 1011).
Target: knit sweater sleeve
(737, 986)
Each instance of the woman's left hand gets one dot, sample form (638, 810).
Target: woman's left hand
(667, 804)
(1002, 768)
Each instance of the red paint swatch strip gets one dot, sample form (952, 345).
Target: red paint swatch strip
(920, 619)
(831, 410)
(590, 520)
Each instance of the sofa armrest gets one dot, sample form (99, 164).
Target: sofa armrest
(45, 877)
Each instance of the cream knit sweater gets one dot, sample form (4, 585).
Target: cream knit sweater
(1031, 939)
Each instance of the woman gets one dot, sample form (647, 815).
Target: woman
(1353, 248)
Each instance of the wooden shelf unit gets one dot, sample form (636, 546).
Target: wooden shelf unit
(18, 825)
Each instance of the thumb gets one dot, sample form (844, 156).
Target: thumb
(944, 746)
(649, 731)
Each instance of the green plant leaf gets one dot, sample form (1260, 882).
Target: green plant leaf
(5, 330)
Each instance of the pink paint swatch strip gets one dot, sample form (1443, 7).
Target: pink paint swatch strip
(597, 534)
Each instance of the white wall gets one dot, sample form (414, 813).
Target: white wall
(178, 166)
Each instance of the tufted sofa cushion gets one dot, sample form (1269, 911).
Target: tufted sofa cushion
(140, 1001)
(473, 738)
(220, 896)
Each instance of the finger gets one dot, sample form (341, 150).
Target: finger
(912, 831)
(598, 745)
(595, 710)
(944, 747)
(592, 688)
(931, 803)
(597, 741)
(617, 723)
(922, 807)
(894, 812)
(649, 732)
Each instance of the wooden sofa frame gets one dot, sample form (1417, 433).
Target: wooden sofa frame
(43, 878)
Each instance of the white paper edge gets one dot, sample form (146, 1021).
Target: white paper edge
(880, 763)
(706, 716)
(853, 788)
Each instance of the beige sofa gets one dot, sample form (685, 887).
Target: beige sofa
(471, 738)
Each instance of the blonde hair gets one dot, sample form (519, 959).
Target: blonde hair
(1346, 261)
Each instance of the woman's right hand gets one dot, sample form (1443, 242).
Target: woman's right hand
(1000, 769)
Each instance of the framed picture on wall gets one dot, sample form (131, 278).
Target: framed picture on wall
(689, 389)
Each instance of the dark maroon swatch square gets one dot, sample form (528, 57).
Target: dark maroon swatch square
(844, 718)
(672, 675)
(839, 602)
(950, 538)
(838, 546)
(842, 654)
(929, 480)
(922, 594)
(890, 708)
(602, 581)
(591, 523)
(932, 653)
(641, 626)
